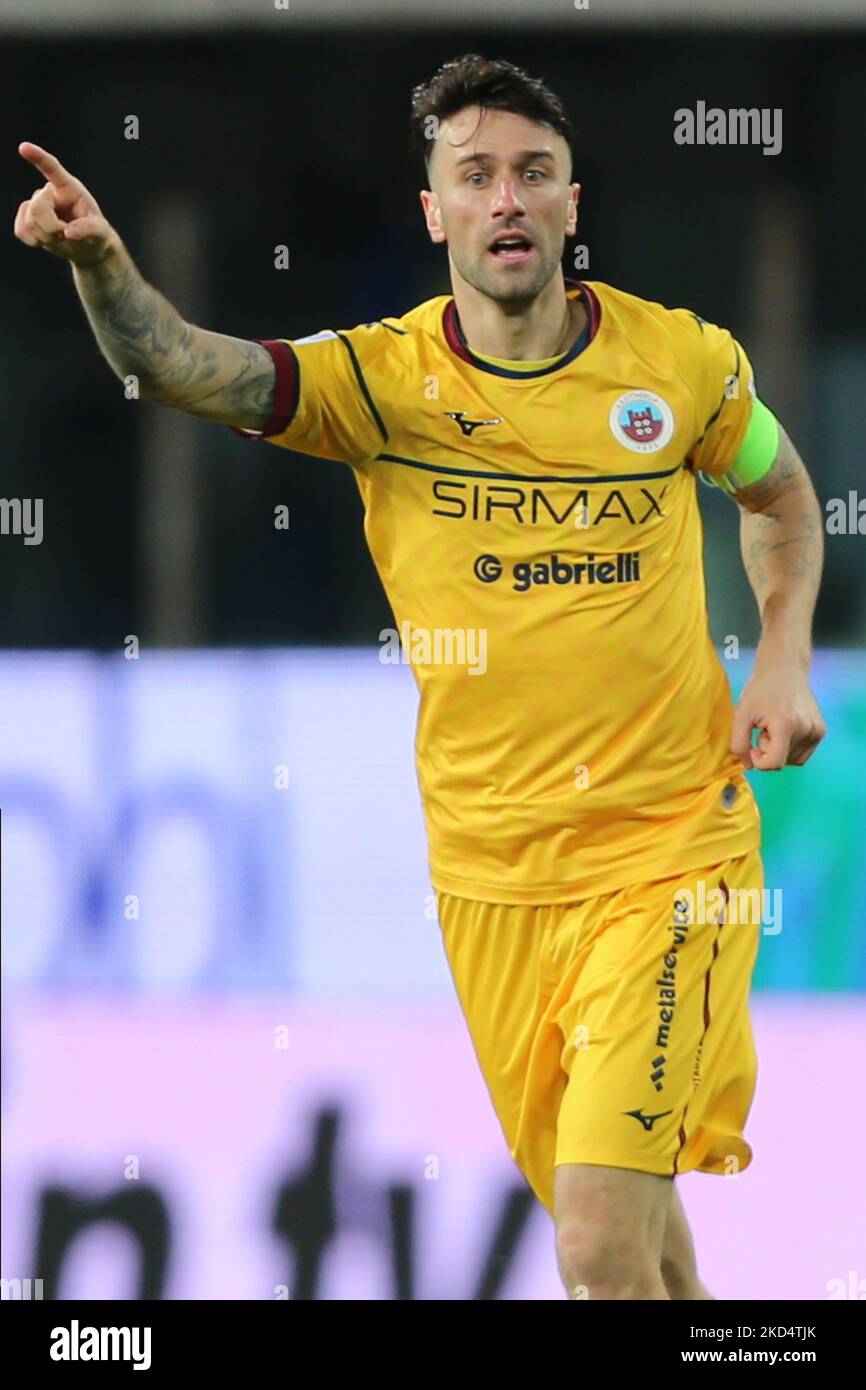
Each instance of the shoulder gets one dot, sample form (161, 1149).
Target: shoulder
(395, 336)
(683, 329)
(707, 358)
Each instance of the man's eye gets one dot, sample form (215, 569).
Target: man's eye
(539, 172)
(477, 174)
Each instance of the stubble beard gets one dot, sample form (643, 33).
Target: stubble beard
(495, 285)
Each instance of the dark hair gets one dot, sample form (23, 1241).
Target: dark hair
(476, 81)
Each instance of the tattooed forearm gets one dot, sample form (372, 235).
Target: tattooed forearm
(771, 559)
(176, 363)
(137, 329)
(780, 529)
(782, 542)
(222, 378)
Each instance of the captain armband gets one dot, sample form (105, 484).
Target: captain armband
(757, 451)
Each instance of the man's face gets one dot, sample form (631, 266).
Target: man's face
(503, 176)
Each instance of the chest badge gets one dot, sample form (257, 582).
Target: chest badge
(642, 421)
(467, 426)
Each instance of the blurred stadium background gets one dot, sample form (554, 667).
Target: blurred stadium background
(233, 1063)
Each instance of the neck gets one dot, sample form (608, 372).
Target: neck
(528, 331)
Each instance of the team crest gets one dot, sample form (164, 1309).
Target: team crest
(642, 421)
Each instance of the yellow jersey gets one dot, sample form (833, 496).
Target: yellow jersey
(537, 532)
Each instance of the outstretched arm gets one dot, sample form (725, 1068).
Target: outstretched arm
(140, 334)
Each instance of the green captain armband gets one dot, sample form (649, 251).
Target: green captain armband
(757, 451)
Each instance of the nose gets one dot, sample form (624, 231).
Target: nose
(505, 200)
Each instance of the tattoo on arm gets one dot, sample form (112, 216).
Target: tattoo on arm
(804, 559)
(781, 528)
(141, 334)
(782, 556)
(222, 378)
(787, 472)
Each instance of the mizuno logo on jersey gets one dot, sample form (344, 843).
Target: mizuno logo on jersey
(647, 1120)
(467, 426)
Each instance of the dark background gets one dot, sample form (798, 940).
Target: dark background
(302, 140)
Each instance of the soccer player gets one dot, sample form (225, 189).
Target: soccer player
(527, 449)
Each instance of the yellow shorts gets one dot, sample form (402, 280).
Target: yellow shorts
(615, 1030)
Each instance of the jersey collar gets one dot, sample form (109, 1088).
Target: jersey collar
(459, 346)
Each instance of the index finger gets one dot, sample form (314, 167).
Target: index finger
(47, 164)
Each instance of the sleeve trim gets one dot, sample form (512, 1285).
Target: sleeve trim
(287, 390)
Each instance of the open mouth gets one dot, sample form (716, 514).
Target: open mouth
(512, 248)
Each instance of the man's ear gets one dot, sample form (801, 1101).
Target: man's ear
(573, 210)
(432, 215)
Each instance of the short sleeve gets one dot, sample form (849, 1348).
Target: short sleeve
(324, 402)
(720, 375)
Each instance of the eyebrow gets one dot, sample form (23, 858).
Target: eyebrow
(486, 158)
